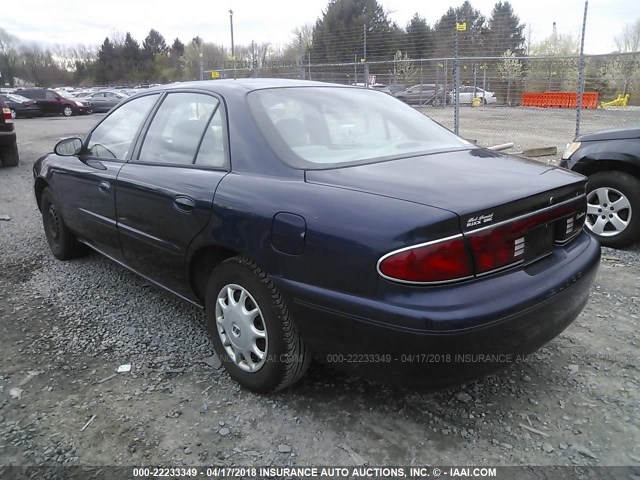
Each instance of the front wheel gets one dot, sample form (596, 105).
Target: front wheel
(613, 208)
(14, 114)
(67, 111)
(251, 329)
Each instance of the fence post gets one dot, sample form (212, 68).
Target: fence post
(581, 70)
(456, 83)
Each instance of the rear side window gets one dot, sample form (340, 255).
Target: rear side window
(114, 136)
(178, 128)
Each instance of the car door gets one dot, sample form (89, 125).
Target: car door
(111, 100)
(97, 101)
(89, 187)
(165, 194)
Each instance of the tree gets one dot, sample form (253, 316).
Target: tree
(471, 42)
(106, 59)
(560, 75)
(154, 45)
(629, 39)
(339, 34)
(505, 32)
(8, 56)
(419, 38)
(510, 69)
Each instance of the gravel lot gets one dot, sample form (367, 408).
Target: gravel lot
(531, 127)
(65, 327)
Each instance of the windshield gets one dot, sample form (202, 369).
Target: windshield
(324, 127)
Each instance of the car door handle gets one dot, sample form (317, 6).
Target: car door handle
(104, 187)
(184, 204)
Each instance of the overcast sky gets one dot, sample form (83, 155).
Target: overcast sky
(89, 22)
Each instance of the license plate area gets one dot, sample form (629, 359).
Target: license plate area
(538, 243)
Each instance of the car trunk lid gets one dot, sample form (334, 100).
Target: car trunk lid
(511, 210)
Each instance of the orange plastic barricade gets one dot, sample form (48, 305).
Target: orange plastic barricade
(559, 99)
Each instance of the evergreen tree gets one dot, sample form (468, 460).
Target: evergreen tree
(106, 58)
(505, 31)
(419, 40)
(471, 42)
(339, 34)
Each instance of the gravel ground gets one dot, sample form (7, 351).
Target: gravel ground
(65, 327)
(531, 127)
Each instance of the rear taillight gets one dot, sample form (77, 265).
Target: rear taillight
(527, 238)
(521, 240)
(6, 113)
(434, 262)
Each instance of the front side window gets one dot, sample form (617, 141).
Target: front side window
(50, 96)
(113, 138)
(323, 127)
(177, 129)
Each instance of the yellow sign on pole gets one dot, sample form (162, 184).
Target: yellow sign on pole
(461, 27)
(215, 74)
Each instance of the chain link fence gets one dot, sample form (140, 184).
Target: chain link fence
(530, 101)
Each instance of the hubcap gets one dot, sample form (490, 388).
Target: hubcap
(54, 223)
(13, 114)
(608, 212)
(241, 328)
(68, 111)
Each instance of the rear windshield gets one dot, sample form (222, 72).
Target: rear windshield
(325, 127)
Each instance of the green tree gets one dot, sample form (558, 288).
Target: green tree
(154, 44)
(419, 39)
(105, 63)
(505, 32)
(339, 34)
(510, 69)
(471, 42)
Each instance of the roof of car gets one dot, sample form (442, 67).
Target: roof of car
(246, 84)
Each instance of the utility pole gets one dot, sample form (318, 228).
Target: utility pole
(233, 50)
(582, 66)
(366, 65)
(301, 55)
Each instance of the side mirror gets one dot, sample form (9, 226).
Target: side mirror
(68, 147)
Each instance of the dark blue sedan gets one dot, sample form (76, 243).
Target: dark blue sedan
(311, 219)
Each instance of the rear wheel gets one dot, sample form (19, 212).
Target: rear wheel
(61, 240)
(251, 329)
(613, 208)
(14, 114)
(9, 155)
(67, 111)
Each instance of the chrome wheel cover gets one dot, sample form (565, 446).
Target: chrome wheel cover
(608, 212)
(241, 328)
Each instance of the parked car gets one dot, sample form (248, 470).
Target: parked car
(611, 161)
(104, 100)
(21, 106)
(423, 94)
(52, 102)
(8, 144)
(467, 94)
(309, 218)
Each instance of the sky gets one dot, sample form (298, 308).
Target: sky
(89, 22)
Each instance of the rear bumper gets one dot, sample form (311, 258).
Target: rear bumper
(441, 336)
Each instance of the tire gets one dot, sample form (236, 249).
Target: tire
(613, 208)
(62, 242)
(14, 114)
(9, 155)
(271, 332)
(67, 111)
